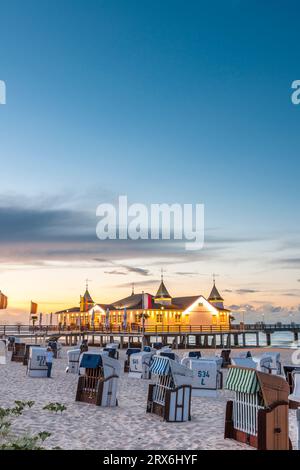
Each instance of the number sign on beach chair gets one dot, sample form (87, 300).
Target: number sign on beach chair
(258, 414)
(139, 366)
(37, 366)
(207, 377)
(98, 385)
(2, 352)
(73, 361)
(170, 396)
(19, 350)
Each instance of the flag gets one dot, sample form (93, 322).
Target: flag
(3, 301)
(51, 319)
(107, 322)
(125, 319)
(147, 301)
(93, 317)
(33, 308)
(41, 319)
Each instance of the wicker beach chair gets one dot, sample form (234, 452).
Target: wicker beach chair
(258, 414)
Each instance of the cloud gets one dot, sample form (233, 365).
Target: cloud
(288, 263)
(114, 271)
(246, 291)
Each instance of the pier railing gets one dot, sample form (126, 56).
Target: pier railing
(149, 329)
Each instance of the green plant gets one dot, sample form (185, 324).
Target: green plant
(9, 441)
(55, 407)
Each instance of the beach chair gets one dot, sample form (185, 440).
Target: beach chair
(128, 354)
(258, 414)
(37, 366)
(170, 396)
(245, 354)
(73, 361)
(289, 371)
(84, 347)
(298, 426)
(98, 385)
(295, 395)
(2, 352)
(11, 342)
(139, 364)
(275, 364)
(225, 355)
(112, 349)
(207, 376)
(27, 350)
(18, 353)
(263, 363)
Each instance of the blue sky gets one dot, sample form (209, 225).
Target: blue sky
(167, 101)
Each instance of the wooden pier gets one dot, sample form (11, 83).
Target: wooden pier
(181, 336)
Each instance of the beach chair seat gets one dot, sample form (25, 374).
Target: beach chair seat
(27, 352)
(18, 353)
(225, 355)
(275, 364)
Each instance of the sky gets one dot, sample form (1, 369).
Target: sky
(165, 102)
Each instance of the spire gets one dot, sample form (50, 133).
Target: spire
(132, 291)
(162, 295)
(215, 297)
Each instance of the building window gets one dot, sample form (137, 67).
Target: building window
(177, 317)
(159, 317)
(222, 317)
(119, 317)
(137, 318)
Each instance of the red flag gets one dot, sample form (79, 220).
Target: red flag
(3, 301)
(33, 308)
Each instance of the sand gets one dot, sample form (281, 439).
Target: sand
(128, 426)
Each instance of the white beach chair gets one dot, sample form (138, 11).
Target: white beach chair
(170, 395)
(207, 375)
(139, 365)
(263, 363)
(168, 352)
(99, 383)
(2, 352)
(73, 361)
(275, 364)
(295, 396)
(37, 366)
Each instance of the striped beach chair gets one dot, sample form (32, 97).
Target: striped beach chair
(258, 414)
(170, 395)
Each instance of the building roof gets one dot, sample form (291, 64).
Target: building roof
(162, 292)
(87, 297)
(214, 295)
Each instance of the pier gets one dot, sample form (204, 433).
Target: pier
(183, 336)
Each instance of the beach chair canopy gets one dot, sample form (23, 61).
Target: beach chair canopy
(196, 354)
(242, 380)
(162, 366)
(170, 355)
(112, 345)
(91, 361)
(132, 351)
(244, 362)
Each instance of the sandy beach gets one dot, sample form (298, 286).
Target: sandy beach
(128, 426)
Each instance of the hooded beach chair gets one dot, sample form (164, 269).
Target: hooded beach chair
(19, 350)
(112, 349)
(98, 385)
(207, 375)
(2, 352)
(27, 351)
(275, 364)
(37, 366)
(73, 361)
(295, 395)
(128, 354)
(170, 395)
(258, 414)
(139, 364)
